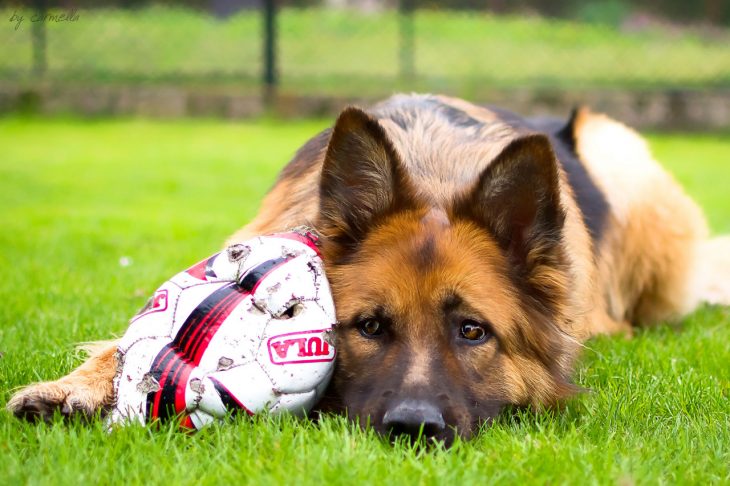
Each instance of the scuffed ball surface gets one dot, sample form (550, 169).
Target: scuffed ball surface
(246, 330)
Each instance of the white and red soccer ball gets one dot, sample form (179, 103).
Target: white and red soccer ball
(248, 329)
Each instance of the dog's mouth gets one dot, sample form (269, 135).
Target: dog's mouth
(422, 435)
(424, 418)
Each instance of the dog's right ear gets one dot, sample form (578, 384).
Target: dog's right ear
(362, 179)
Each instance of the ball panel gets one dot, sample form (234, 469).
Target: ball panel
(323, 297)
(201, 297)
(242, 388)
(296, 361)
(215, 268)
(155, 321)
(289, 282)
(135, 380)
(321, 387)
(220, 267)
(263, 249)
(295, 403)
(237, 340)
(200, 419)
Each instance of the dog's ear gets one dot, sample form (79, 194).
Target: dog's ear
(517, 198)
(361, 180)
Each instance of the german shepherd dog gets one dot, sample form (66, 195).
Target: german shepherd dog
(470, 253)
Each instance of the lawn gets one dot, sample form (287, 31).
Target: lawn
(354, 53)
(77, 196)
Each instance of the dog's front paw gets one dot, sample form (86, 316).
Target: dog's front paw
(42, 400)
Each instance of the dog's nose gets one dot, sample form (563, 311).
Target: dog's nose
(407, 417)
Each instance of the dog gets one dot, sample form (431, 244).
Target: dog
(470, 252)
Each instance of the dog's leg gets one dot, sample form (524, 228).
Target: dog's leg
(85, 390)
(711, 282)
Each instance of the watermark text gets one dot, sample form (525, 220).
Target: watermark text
(69, 16)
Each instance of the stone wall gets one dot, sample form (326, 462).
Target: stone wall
(676, 109)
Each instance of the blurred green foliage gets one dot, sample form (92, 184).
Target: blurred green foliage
(356, 53)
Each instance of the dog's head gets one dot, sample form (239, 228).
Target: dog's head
(446, 313)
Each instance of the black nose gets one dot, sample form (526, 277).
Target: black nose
(409, 417)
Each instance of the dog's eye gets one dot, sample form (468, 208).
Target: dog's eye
(370, 328)
(473, 331)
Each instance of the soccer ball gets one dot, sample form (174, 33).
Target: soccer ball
(247, 330)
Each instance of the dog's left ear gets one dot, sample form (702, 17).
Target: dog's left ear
(517, 198)
(361, 181)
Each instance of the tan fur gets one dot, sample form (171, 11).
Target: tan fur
(86, 389)
(711, 282)
(648, 258)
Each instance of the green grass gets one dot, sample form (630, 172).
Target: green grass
(75, 196)
(351, 53)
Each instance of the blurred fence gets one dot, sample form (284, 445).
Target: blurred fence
(363, 48)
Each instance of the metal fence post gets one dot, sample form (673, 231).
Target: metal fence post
(38, 32)
(269, 73)
(407, 41)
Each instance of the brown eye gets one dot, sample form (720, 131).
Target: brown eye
(370, 328)
(473, 331)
